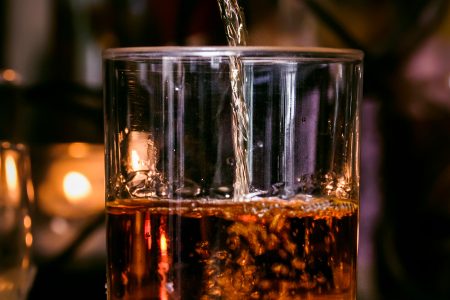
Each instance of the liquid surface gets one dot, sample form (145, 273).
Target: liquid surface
(270, 249)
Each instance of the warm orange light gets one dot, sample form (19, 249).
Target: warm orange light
(248, 218)
(78, 150)
(9, 75)
(25, 262)
(27, 222)
(11, 173)
(30, 190)
(12, 180)
(134, 160)
(76, 187)
(163, 244)
(148, 233)
(28, 239)
(163, 291)
(72, 188)
(163, 266)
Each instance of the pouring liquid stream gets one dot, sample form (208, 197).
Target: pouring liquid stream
(236, 33)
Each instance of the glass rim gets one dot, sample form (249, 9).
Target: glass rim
(204, 51)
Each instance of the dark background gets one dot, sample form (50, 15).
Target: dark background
(54, 48)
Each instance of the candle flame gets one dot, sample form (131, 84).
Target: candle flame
(76, 187)
(11, 173)
(134, 160)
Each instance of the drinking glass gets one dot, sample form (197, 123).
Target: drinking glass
(232, 172)
(16, 268)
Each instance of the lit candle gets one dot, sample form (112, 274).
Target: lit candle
(12, 179)
(77, 187)
(73, 180)
(142, 152)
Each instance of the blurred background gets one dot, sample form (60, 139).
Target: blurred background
(51, 99)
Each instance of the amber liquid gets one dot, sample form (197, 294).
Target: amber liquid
(270, 249)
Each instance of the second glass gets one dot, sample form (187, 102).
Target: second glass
(17, 269)
(232, 172)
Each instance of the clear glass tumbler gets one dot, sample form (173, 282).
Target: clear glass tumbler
(232, 173)
(16, 268)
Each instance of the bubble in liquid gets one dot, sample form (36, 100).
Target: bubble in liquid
(260, 144)
(202, 249)
(221, 192)
(221, 255)
(255, 193)
(188, 188)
